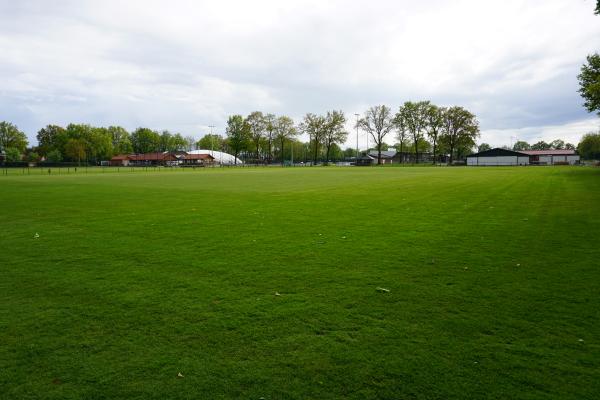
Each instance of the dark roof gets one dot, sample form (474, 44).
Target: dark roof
(120, 157)
(498, 152)
(152, 157)
(550, 152)
(198, 157)
(384, 153)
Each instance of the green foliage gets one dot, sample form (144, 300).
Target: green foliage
(144, 140)
(121, 140)
(99, 144)
(12, 137)
(541, 145)
(314, 126)
(414, 116)
(284, 131)
(459, 132)
(597, 10)
(589, 83)
(258, 125)
(210, 142)
(75, 149)
(54, 156)
(434, 118)
(238, 134)
(334, 132)
(483, 147)
(558, 144)
(52, 137)
(33, 157)
(378, 121)
(349, 152)
(589, 147)
(521, 145)
(12, 154)
(181, 144)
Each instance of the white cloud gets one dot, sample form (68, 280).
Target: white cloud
(570, 132)
(183, 65)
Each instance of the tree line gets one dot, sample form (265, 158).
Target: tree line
(83, 142)
(417, 128)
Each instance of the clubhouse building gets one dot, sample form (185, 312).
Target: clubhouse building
(171, 159)
(499, 156)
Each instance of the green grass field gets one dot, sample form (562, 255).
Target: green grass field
(135, 278)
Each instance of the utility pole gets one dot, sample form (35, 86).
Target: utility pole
(212, 144)
(356, 137)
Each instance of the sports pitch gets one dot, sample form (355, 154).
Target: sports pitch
(297, 283)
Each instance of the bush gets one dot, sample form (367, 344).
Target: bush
(12, 154)
(54, 156)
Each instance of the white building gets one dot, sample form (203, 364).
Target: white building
(551, 157)
(500, 156)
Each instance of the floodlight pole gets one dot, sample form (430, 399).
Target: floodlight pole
(356, 137)
(212, 139)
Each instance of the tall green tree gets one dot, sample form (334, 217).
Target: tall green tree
(121, 140)
(378, 121)
(238, 133)
(76, 149)
(258, 125)
(483, 147)
(284, 130)
(270, 122)
(589, 83)
(334, 132)
(434, 122)
(314, 126)
(51, 137)
(521, 145)
(99, 144)
(460, 130)
(11, 136)
(210, 142)
(144, 140)
(165, 141)
(414, 115)
(557, 144)
(541, 145)
(589, 147)
(180, 143)
(401, 134)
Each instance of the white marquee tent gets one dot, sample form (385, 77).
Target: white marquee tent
(220, 157)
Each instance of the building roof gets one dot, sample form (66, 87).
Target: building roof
(152, 157)
(120, 157)
(550, 152)
(384, 153)
(498, 152)
(198, 157)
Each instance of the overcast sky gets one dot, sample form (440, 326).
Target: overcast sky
(184, 65)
